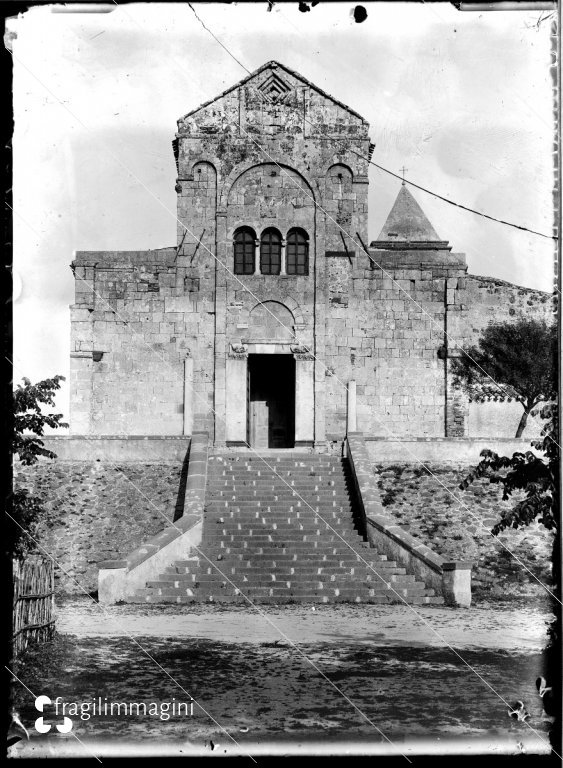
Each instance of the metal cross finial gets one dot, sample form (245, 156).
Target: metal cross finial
(403, 170)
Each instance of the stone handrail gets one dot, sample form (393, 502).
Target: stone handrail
(452, 580)
(118, 579)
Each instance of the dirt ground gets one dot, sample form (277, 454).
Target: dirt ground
(365, 678)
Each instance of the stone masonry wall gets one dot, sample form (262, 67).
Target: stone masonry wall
(99, 511)
(143, 318)
(263, 197)
(385, 326)
(285, 155)
(489, 299)
(460, 530)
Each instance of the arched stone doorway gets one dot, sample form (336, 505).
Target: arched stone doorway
(270, 386)
(271, 377)
(271, 401)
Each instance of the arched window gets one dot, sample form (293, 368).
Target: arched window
(270, 252)
(244, 242)
(297, 252)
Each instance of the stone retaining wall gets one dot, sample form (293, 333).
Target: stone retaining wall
(100, 511)
(459, 528)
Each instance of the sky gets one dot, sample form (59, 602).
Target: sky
(464, 101)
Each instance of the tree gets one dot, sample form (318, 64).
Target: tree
(29, 422)
(537, 479)
(517, 358)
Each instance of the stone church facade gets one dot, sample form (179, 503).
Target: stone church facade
(273, 322)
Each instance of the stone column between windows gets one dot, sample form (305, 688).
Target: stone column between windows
(257, 257)
(283, 270)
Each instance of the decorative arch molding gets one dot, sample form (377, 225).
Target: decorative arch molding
(337, 165)
(209, 161)
(350, 161)
(271, 321)
(266, 225)
(242, 168)
(281, 304)
(288, 303)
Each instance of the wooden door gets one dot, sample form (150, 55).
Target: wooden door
(278, 426)
(259, 422)
(271, 401)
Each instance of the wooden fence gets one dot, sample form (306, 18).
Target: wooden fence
(34, 601)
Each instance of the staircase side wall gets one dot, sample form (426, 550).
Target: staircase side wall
(119, 579)
(383, 534)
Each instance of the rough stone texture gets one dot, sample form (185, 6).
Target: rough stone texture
(99, 512)
(128, 310)
(425, 507)
(276, 151)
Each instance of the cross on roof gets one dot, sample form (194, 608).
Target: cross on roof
(403, 170)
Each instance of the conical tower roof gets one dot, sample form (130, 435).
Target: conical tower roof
(408, 227)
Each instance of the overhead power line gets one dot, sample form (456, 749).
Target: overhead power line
(386, 170)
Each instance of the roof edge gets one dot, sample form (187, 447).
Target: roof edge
(411, 245)
(257, 72)
(500, 281)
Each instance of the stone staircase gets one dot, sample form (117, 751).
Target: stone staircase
(282, 539)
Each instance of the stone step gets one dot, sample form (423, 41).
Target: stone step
(298, 566)
(207, 588)
(280, 486)
(315, 537)
(274, 600)
(274, 458)
(281, 586)
(279, 477)
(311, 557)
(276, 468)
(277, 511)
(283, 534)
(232, 525)
(287, 534)
(233, 514)
(269, 595)
(326, 480)
(332, 573)
(246, 493)
(307, 500)
(277, 504)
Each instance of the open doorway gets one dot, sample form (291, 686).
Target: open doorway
(271, 401)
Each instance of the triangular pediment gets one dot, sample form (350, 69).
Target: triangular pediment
(272, 83)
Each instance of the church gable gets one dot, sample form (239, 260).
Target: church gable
(273, 99)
